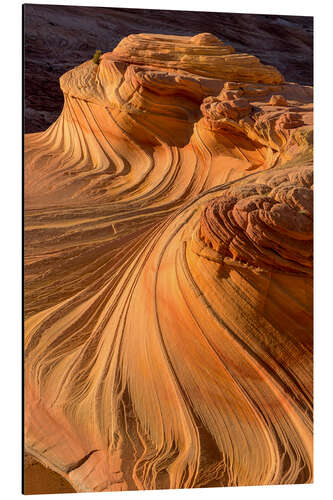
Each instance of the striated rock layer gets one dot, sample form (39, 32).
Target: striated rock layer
(59, 37)
(168, 272)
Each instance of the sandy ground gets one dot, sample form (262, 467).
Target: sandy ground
(41, 480)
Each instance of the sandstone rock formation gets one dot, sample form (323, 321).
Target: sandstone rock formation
(168, 272)
(59, 37)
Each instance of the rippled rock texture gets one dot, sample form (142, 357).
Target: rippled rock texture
(58, 37)
(168, 271)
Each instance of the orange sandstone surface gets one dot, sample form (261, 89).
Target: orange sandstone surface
(168, 272)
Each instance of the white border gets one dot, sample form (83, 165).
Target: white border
(10, 182)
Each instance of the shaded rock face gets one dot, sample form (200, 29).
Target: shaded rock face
(39, 479)
(168, 271)
(57, 38)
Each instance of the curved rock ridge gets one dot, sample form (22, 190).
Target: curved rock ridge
(120, 119)
(168, 274)
(203, 54)
(268, 226)
(282, 41)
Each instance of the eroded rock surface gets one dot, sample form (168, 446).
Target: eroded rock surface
(58, 37)
(168, 271)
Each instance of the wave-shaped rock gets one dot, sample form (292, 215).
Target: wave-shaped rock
(202, 54)
(68, 35)
(168, 277)
(265, 225)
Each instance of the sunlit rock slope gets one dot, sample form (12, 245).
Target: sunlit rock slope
(59, 37)
(168, 272)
